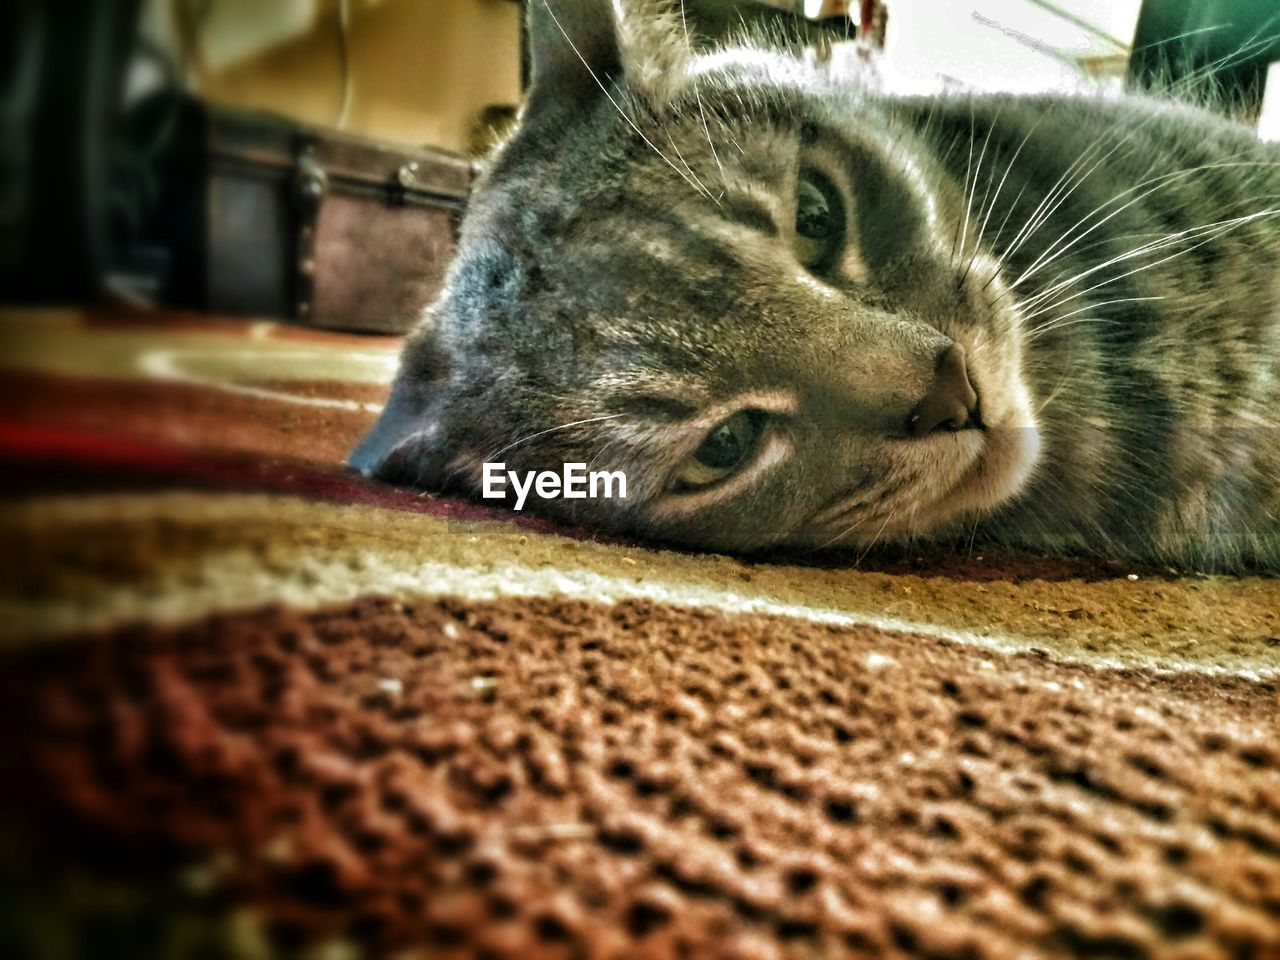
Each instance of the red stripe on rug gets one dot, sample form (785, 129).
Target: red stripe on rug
(42, 460)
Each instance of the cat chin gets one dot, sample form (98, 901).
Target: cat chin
(997, 468)
(1000, 471)
(1008, 460)
(1010, 453)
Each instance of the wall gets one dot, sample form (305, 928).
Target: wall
(421, 70)
(1013, 45)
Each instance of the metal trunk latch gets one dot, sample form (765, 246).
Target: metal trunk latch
(310, 187)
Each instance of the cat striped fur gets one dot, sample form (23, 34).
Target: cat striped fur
(1098, 276)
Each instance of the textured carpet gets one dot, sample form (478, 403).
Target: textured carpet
(252, 706)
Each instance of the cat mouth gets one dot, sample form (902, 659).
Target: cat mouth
(1005, 456)
(991, 456)
(976, 420)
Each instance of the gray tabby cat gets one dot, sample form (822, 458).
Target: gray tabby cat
(800, 314)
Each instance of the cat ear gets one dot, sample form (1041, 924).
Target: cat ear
(577, 47)
(573, 49)
(655, 41)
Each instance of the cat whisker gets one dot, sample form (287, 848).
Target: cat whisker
(1160, 182)
(1059, 192)
(1145, 237)
(1211, 69)
(875, 539)
(702, 186)
(967, 170)
(706, 128)
(839, 515)
(972, 194)
(1214, 230)
(1159, 239)
(540, 433)
(928, 120)
(1092, 306)
(842, 534)
(1000, 257)
(605, 448)
(1079, 181)
(1047, 328)
(982, 230)
(1192, 233)
(973, 536)
(1150, 238)
(1055, 196)
(1163, 41)
(1055, 392)
(1048, 255)
(977, 172)
(622, 113)
(836, 510)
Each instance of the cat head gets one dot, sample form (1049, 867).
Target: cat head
(729, 276)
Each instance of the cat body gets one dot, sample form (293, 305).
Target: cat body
(799, 313)
(1153, 372)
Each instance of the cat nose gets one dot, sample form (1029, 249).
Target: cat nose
(952, 403)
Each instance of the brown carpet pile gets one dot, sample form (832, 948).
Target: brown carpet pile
(313, 729)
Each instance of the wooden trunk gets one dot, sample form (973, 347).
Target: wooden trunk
(322, 228)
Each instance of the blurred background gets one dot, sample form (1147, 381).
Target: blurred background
(217, 217)
(308, 160)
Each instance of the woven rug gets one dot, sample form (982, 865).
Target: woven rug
(253, 706)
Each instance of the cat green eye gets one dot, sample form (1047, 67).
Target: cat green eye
(819, 221)
(726, 448)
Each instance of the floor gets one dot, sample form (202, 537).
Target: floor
(285, 708)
